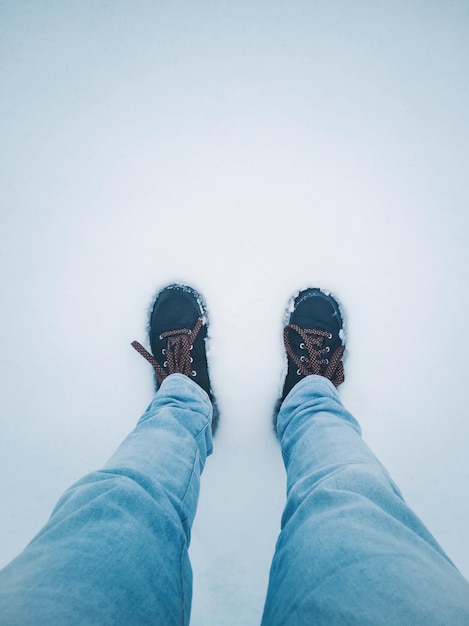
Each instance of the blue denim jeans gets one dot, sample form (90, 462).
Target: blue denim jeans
(115, 550)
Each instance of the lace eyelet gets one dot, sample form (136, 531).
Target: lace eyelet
(298, 372)
(302, 359)
(328, 349)
(165, 364)
(302, 346)
(192, 360)
(193, 373)
(329, 336)
(161, 337)
(189, 332)
(163, 351)
(192, 347)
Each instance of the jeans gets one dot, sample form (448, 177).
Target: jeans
(115, 550)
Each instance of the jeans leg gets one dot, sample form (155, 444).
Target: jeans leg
(115, 548)
(350, 550)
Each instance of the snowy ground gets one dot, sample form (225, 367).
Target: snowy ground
(248, 149)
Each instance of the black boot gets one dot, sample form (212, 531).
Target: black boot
(178, 332)
(313, 338)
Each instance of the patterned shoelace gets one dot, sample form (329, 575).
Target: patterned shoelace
(177, 352)
(315, 363)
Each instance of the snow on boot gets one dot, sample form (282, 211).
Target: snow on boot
(313, 339)
(178, 333)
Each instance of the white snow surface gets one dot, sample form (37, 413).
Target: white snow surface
(246, 149)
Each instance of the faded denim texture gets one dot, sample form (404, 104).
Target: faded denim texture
(350, 549)
(351, 552)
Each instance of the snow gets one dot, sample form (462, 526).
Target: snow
(245, 149)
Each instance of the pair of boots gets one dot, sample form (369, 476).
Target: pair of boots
(313, 338)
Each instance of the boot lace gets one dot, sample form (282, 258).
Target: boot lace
(178, 360)
(316, 362)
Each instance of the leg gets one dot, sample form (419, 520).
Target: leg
(350, 550)
(115, 548)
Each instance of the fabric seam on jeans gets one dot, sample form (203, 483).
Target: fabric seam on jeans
(189, 482)
(181, 572)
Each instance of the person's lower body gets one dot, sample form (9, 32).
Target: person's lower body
(350, 551)
(115, 548)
